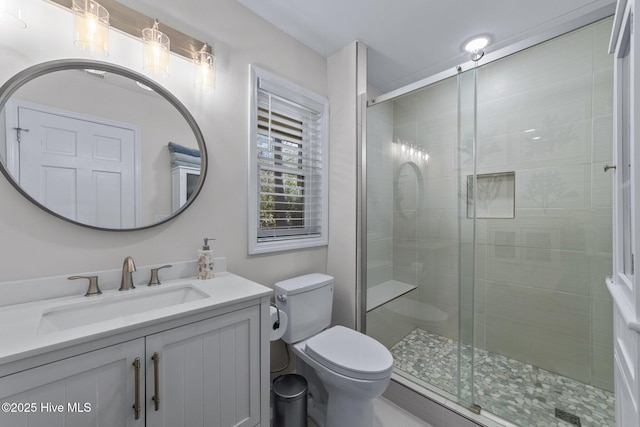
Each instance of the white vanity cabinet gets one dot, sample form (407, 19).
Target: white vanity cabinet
(203, 373)
(102, 379)
(206, 373)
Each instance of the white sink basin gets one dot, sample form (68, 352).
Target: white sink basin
(102, 308)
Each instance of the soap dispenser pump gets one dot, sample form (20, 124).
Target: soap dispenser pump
(205, 260)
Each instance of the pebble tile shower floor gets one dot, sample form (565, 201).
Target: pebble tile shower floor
(518, 392)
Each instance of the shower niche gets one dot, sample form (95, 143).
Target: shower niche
(491, 195)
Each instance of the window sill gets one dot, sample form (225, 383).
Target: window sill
(256, 248)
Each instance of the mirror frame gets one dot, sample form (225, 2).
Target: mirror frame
(35, 71)
(413, 167)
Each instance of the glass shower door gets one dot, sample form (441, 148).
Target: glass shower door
(467, 208)
(420, 235)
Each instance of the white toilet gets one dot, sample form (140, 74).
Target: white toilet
(345, 370)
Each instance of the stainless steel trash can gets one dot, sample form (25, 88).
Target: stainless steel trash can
(290, 401)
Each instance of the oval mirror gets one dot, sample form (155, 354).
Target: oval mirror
(408, 189)
(99, 145)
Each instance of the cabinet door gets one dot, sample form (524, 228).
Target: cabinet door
(208, 373)
(184, 181)
(94, 389)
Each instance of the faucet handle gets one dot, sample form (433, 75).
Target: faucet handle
(154, 279)
(93, 285)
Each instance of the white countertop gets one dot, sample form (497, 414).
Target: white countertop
(19, 323)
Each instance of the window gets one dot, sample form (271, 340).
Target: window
(288, 165)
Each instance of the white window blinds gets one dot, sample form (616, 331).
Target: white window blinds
(289, 166)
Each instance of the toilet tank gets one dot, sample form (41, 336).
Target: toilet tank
(307, 300)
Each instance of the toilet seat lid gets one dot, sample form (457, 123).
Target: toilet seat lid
(350, 353)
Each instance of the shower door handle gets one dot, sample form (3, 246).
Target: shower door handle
(607, 167)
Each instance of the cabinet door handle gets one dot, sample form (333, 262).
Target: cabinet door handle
(136, 404)
(156, 385)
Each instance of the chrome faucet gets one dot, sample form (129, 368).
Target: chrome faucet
(128, 267)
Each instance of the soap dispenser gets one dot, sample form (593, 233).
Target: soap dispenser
(205, 261)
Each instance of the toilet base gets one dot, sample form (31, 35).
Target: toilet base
(335, 400)
(317, 396)
(342, 411)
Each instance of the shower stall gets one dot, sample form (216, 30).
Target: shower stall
(489, 233)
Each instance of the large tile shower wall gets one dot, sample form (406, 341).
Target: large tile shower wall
(540, 295)
(543, 241)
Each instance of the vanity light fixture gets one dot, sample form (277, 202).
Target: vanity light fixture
(156, 51)
(412, 150)
(91, 26)
(11, 13)
(205, 73)
(93, 18)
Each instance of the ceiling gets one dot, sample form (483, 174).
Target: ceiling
(412, 39)
(409, 40)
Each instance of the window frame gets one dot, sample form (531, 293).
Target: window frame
(257, 243)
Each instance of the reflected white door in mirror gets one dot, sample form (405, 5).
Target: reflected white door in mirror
(82, 167)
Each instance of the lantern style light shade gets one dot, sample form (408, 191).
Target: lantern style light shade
(91, 26)
(205, 72)
(12, 13)
(156, 51)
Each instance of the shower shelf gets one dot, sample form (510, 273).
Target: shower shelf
(384, 292)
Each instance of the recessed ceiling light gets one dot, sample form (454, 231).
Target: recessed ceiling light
(476, 44)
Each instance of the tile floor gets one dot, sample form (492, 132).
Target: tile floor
(521, 393)
(391, 415)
